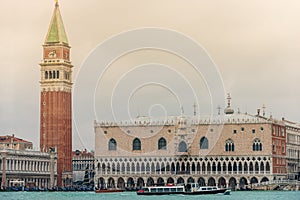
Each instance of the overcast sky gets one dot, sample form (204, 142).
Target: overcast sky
(254, 44)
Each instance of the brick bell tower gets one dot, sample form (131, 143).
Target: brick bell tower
(56, 98)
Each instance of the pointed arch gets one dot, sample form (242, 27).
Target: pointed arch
(138, 169)
(198, 167)
(162, 144)
(211, 181)
(234, 167)
(222, 182)
(257, 145)
(180, 180)
(224, 167)
(132, 167)
(219, 167)
(264, 179)
(143, 169)
(251, 167)
(243, 182)
(253, 180)
(121, 183)
(268, 167)
(160, 181)
(229, 145)
(130, 182)
(150, 181)
(201, 181)
(256, 167)
(111, 183)
(152, 168)
(229, 168)
(240, 167)
(191, 180)
(170, 180)
(208, 168)
(136, 144)
(214, 167)
(245, 168)
(203, 168)
(140, 182)
(204, 143)
(232, 183)
(193, 168)
(112, 144)
(182, 147)
(182, 167)
(147, 167)
(262, 167)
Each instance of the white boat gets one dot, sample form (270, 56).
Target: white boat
(195, 189)
(189, 189)
(162, 190)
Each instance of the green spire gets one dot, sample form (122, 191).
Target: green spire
(56, 32)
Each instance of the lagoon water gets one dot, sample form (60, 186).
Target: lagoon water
(245, 195)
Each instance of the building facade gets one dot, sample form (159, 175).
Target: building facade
(27, 168)
(293, 149)
(231, 150)
(12, 142)
(83, 167)
(56, 98)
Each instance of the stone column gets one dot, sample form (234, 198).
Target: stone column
(3, 170)
(52, 169)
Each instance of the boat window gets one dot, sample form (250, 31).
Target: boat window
(159, 189)
(173, 189)
(166, 189)
(214, 188)
(203, 188)
(153, 190)
(179, 189)
(209, 188)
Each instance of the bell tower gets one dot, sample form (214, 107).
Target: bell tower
(56, 98)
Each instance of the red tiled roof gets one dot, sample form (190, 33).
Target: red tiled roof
(9, 138)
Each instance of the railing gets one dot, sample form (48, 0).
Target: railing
(277, 182)
(26, 172)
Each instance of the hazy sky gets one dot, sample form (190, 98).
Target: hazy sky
(254, 44)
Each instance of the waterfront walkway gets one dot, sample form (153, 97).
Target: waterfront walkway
(277, 185)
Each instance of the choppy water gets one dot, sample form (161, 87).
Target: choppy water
(245, 195)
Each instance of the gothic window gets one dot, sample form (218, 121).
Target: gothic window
(54, 74)
(57, 74)
(50, 75)
(136, 144)
(46, 74)
(112, 145)
(257, 146)
(162, 143)
(182, 147)
(203, 143)
(229, 145)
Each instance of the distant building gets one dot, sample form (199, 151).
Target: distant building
(231, 150)
(293, 149)
(28, 168)
(12, 142)
(83, 167)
